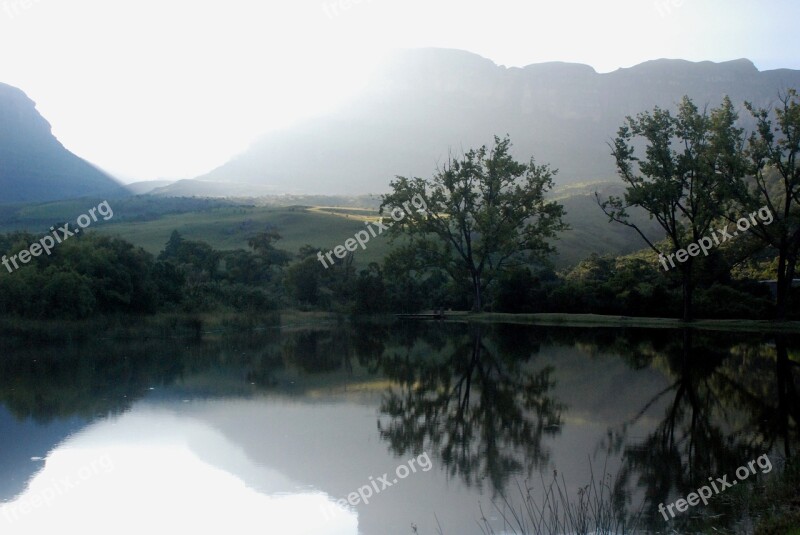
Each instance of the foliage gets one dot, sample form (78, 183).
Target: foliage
(81, 277)
(102, 275)
(521, 291)
(483, 214)
(690, 159)
(774, 181)
(311, 285)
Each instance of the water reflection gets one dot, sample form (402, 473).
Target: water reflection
(159, 470)
(731, 400)
(290, 418)
(483, 414)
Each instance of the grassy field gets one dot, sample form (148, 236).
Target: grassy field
(229, 228)
(228, 224)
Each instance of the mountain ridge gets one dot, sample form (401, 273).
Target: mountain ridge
(34, 165)
(428, 103)
(421, 107)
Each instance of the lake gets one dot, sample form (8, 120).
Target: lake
(373, 428)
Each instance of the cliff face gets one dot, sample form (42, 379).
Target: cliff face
(20, 123)
(426, 104)
(34, 165)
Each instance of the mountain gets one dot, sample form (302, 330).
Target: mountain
(147, 186)
(425, 104)
(209, 188)
(34, 165)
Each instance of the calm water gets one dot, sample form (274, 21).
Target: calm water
(264, 432)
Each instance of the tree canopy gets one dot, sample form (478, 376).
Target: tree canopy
(486, 213)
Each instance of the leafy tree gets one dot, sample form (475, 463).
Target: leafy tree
(68, 295)
(682, 181)
(263, 244)
(119, 272)
(312, 284)
(173, 246)
(257, 267)
(409, 286)
(485, 214)
(370, 294)
(244, 267)
(96, 274)
(169, 282)
(627, 286)
(519, 291)
(197, 260)
(774, 150)
(303, 281)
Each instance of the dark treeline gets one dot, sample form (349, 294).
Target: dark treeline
(101, 275)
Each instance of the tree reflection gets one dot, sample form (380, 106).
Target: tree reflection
(105, 375)
(729, 403)
(788, 401)
(482, 415)
(473, 398)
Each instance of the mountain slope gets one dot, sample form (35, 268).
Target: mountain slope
(34, 165)
(427, 103)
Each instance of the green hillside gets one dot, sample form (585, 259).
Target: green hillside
(230, 227)
(148, 221)
(591, 232)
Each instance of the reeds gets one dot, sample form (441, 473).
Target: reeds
(592, 512)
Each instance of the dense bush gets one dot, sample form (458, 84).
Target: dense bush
(92, 274)
(82, 276)
(725, 302)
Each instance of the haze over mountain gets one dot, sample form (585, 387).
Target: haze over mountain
(426, 103)
(423, 105)
(34, 165)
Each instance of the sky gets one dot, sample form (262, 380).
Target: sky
(150, 89)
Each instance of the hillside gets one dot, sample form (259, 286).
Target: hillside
(428, 103)
(147, 221)
(34, 165)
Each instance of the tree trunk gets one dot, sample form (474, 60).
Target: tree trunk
(783, 374)
(688, 292)
(787, 263)
(782, 289)
(791, 264)
(477, 304)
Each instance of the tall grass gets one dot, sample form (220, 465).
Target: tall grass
(594, 511)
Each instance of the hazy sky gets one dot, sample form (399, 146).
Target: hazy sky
(173, 88)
